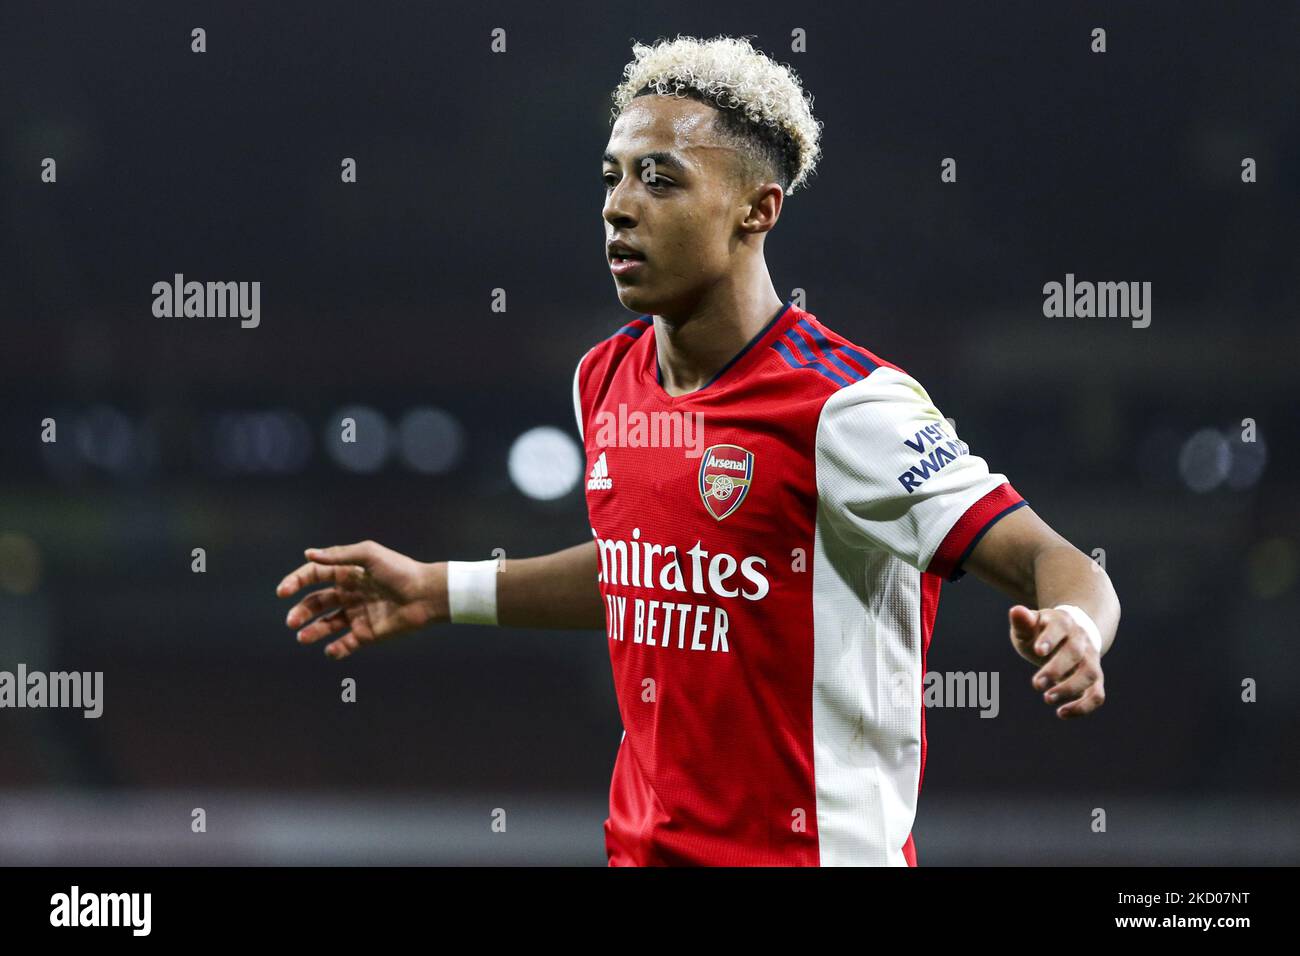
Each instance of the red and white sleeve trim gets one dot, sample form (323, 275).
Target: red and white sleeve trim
(961, 539)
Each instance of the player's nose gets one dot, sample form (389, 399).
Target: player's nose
(618, 211)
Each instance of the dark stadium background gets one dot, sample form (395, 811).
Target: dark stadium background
(479, 171)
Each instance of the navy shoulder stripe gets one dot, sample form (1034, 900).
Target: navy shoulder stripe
(634, 328)
(824, 357)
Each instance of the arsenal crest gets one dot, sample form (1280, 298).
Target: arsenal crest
(725, 476)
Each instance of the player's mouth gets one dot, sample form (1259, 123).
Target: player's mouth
(624, 259)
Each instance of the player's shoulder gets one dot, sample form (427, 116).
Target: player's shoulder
(595, 372)
(607, 353)
(829, 361)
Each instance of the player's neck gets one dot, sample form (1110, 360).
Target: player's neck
(693, 349)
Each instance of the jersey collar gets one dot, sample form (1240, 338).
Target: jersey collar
(735, 365)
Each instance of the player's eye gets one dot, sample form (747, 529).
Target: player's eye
(610, 180)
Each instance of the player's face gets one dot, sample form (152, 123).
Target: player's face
(679, 214)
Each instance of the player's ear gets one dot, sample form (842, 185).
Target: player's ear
(763, 207)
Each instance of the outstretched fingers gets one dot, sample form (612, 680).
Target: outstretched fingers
(324, 626)
(299, 578)
(344, 646)
(360, 553)
(345, 576)
(317, 602)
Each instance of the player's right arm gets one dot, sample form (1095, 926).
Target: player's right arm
(373, 593)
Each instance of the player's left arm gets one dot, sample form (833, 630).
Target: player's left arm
(893, 475)
(1024, 558)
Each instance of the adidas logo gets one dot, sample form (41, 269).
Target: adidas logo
(599, 479)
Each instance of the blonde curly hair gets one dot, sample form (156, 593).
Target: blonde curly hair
(762, 103)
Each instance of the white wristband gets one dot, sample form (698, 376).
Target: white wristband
(1087, 623)
(472, 591)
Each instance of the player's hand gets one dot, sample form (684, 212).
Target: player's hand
(374, 591)
(1069, 668)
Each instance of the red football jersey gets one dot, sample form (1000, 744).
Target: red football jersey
(772, 547)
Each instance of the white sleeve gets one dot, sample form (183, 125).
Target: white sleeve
(893, 475)
(577, 397)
